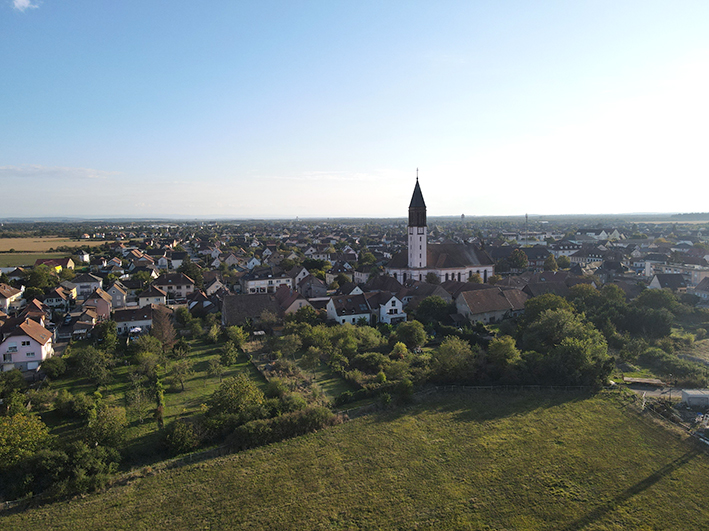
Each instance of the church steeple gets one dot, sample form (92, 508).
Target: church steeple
(417, 229)
(417, 207)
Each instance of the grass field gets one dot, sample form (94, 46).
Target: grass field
(478, 461)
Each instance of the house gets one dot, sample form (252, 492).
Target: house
(151, 295)
(213, 286)
(58, 264)
(312, 287)
(349, 309)
(10, 297)
(289, 300)
(26, 347)
(265, 280)
(672, 281)
(386, 307)
(58, 299)
(86, 284)
(701, 290)
(128, 319)
(248, 309)
(490, 305)
(177, 286)
(119, 295)
(100, 301)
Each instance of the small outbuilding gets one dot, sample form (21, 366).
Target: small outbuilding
(696, 397)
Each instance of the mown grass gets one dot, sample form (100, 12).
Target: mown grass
(478, 461)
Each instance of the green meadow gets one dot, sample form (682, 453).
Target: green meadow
(476, 460)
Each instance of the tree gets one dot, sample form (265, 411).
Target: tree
(455, 360)
(215, 368)
(107, 425)
(494, 279)
(181, 349)
(107, 334)
(475, 278)
(502, 351)
(138, 403)
(235, 395)
(563, 262)
(214, 333)
(411, 333)
(238, 335)
(143, 277)
(193, 271)
(518, 259)
(657, 299)
(94, 364)
(433, 309)
(163, 329)
(550, 263)
(535, 306)
(21, 436)
(229, 354)
(181, 370)
(432, 278)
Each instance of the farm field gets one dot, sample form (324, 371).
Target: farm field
(42, 244)
(485, 460)
(26, 251)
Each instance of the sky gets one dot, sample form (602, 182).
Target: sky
(269, 109)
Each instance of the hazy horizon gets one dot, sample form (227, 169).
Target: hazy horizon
(324, 110)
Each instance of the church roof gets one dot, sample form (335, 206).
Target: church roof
(446, 256)
(417, 199)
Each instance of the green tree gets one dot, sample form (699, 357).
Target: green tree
(502, 351)
(181, 349)
(193, 271)
(107, 425)
(107, 334)
(411, 333)
(181, 371)
(550, 263)
(94, 364)
(475, 278)
(214, 333)
(455, 360)
(494, 279)
(518, 259)
(215, 368)
(237, 335)
(21, 436)
(235, 395)
(563, 262)
(535, 306)
(433, 309)
(229, 354)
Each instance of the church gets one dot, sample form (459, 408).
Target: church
(448, 261)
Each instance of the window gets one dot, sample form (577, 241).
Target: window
(25, 343)
(7, 358)
(30, 354)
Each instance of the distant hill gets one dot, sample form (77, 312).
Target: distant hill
(460, 461)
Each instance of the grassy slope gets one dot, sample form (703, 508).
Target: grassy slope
(525, 461)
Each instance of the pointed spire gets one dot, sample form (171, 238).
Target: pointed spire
(417, 199)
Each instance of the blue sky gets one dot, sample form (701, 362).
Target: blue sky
(280, 109)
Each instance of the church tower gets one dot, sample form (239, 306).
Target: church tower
(417, 229)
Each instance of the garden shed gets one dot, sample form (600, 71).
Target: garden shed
(696, 397)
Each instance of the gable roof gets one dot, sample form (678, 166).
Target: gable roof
(484, 301)
(33, 330)
(237, 309)
(7, 291)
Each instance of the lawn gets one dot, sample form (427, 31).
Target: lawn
(484, 460)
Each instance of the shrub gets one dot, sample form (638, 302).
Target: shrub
(54, 367)
(181, 437)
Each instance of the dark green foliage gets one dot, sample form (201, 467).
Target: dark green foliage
(267, 431)
(54, 367)
(687, 373)
(433, 309)
(181, 437)
(411, 333)
(235, 395)
(370, 362)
